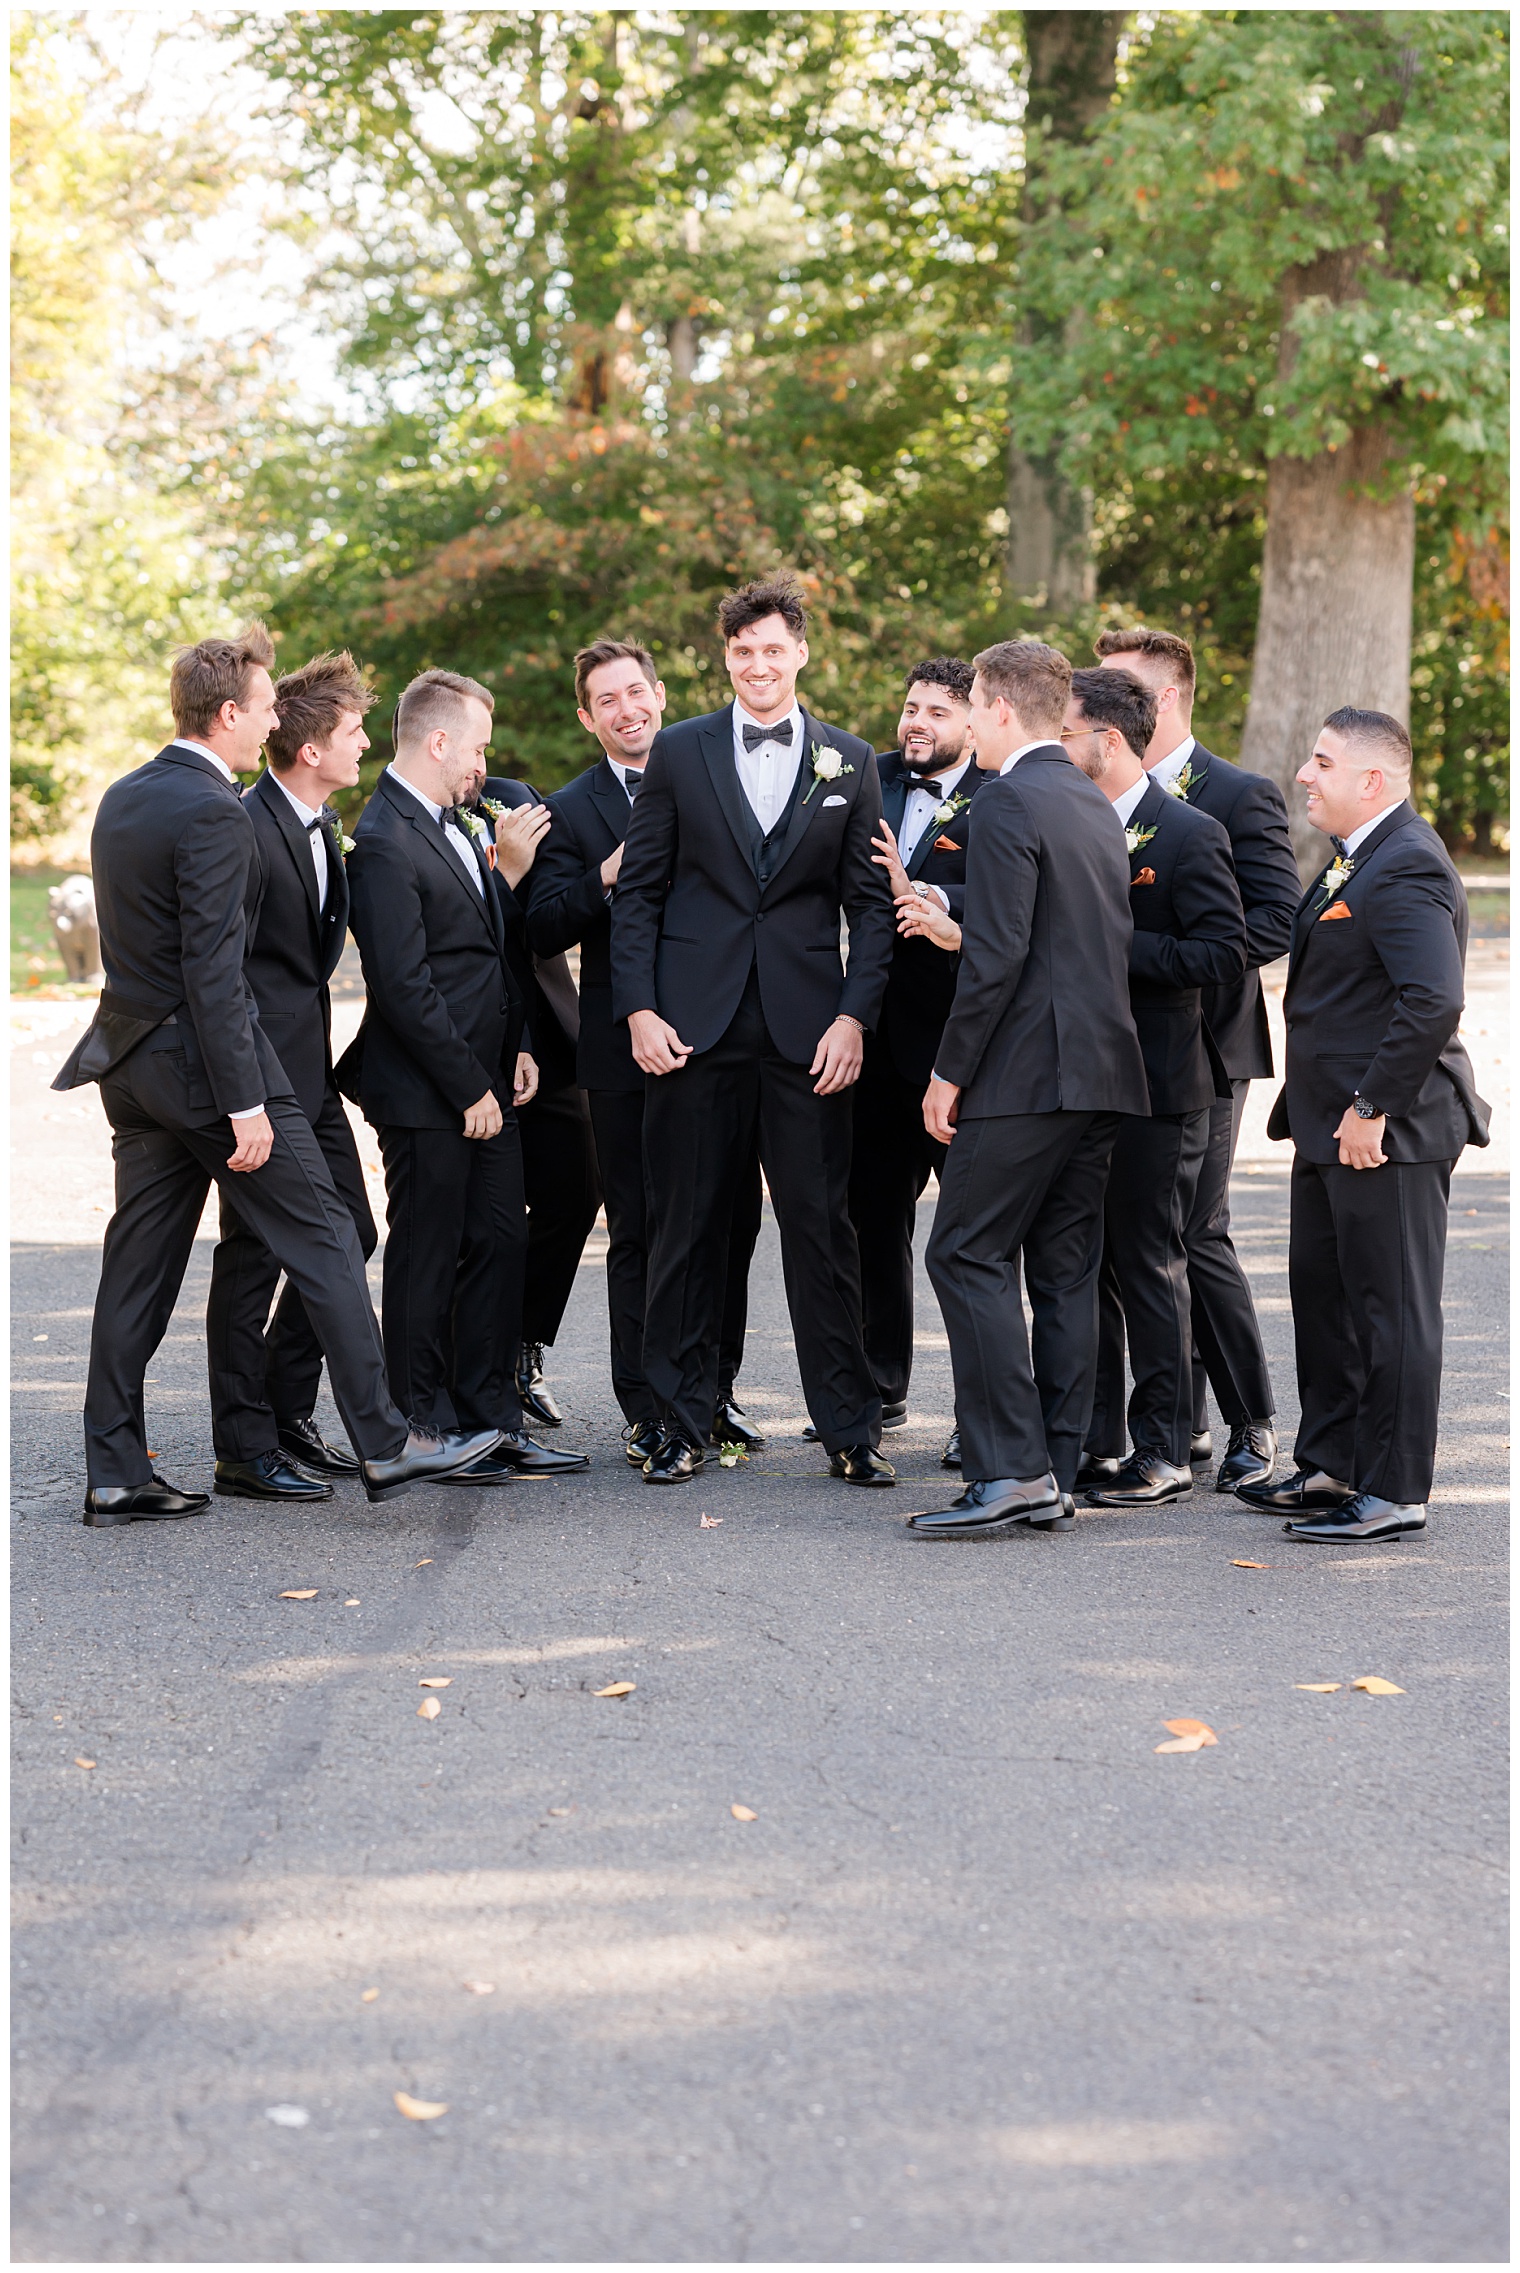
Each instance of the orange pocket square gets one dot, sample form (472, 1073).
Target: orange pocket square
(1337, 912)
(946, 844)
(1146, 876)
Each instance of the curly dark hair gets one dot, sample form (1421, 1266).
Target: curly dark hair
(779, 595)
(947, 671)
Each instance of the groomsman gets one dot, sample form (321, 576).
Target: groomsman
(620, 699)
(1038, 1058)
(195, 1093)
(436, 1069)
(1251, 810)
(927, 784)
(559, 1160)
(1189, 933)
(750, 838)
(264, 1382)
(1379, 1102)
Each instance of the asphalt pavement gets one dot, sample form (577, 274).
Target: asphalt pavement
(978, 1974)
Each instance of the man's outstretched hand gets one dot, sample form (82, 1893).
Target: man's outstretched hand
(657, 1048)
(837, 1059)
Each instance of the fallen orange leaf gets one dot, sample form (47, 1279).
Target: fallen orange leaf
(429, 1709)
(1237, 1565)
(1200, 1729)
(1376, 1686)
(616, 1689)
(1320, 1688)
(436, 1681)
(418, 1566)
(420, 2110)
(81, 1762)
(299, 1594)
(743, 1814)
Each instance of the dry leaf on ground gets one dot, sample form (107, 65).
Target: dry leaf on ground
(710, 1522)
(420, 2110)
(429, 1709)
(368, 1996)
(352, 1603)
(1320, 1688)
(616, 1689)
(436, 1681)
(743, 1814)
(1182, 1744)
(423, 1564)
(1376, 1686)
(1199, 1729)
(561, 1811)
(81, 1762)
(1237, 1565)
(479, 1988)
(299, 1594)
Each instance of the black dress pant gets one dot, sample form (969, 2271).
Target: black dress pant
(267, 1371)
(1143, 1288)
(617, 1116)
(563, 1195)
(1366, 1260)
(892, 1161)
(1227, 1346)
(701, 1130)
(1027, 1184)
(455, 1248)
(162, 1178)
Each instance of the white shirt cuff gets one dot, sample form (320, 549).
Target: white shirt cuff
(248, 1113)
(935, 893)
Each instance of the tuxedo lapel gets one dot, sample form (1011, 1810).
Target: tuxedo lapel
(807, 807)
(612, 801)
(718, 755)
(430, 832)
(1308, 911)
(1146, 815)
(894, 799)
(335, 914)
(297, 844)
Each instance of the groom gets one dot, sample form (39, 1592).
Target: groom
(750, 835)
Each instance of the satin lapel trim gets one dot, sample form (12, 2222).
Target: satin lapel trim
(438, 845)
(277, 803)
(610, 795)
(806, 809)
(718, 755)
(894, 801)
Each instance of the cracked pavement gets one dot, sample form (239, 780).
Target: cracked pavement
(985, 1979)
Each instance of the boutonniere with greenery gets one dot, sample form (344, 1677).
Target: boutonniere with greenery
(345, 844)
(475, 825)
(828, 765)
(1335, 876)
(1183, 783)
(946, 813)
(1136, 840)
(495, 808)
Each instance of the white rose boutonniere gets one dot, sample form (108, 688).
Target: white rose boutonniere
(1183, 783)
(828, 765)
(1335, 876)
(1136, 840)
(345, 844)
(945, 814)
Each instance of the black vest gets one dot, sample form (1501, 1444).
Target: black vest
(763, 849)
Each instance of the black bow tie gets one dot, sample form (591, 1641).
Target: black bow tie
(1340, 845)
(755, 735)
(633, 783)
(935, 789)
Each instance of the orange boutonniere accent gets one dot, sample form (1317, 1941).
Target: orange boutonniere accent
(946, 844)
(1146, 876)
(1337, 912)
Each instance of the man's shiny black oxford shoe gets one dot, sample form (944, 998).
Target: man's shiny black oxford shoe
(537, 1398)
(673, 1461)
(272, 1476)
(951, 1456)
(1364, 1517)
(731, 1427)
(1145, 1480)
(530, 1459)
(157, 1502)
(986, 1509)
(1251, 1456)
(1201, 1450)
(860, 1464)
(1305, 1492)
(303, 1441)
(642, 1440)
(426, 1458)
(1097, 1468)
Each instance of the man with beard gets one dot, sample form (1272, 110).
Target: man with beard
(620, 699)
(927, 783)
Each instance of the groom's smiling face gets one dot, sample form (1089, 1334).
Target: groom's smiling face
(763, 661)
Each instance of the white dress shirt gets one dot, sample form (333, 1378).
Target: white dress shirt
(919, 810)
(766, 774)
(1024, 749)
(315, 836)
(183, 742)
(1360, 836)
(451, 830)
(1128, 799)
(1166, 770)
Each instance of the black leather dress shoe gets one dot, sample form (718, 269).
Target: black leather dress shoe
(426, 1458)
(860, 1464)
(1251, 1456)
(1364, 1517)
(642, 1440)
(158, 1502)
(537, 1399)
(730, 1426)
(304, 1442)
(1097, 1468)
(951, 1456)
(1303, 1493)
(673, 1461)
(1201, 1450)
(270, 1477)
(1145, 1480)
(492, 1470)
(985, 1509)
(530, 1459)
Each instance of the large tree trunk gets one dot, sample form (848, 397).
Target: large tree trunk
(1337, 599)
(1071, 55)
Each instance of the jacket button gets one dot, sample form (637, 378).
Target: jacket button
(503, 1007)
(760, 915)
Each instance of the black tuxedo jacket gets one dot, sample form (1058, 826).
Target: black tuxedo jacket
(691, 917)
(1255, 817)
(295, 949)
(177, 890)
(444, 1018)
(1373, 1000)
(1041, 1019)
(553, 1008)
(1190, 933)
(921, 983)
(567, 907)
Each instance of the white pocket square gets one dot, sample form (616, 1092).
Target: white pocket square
(828, 801)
